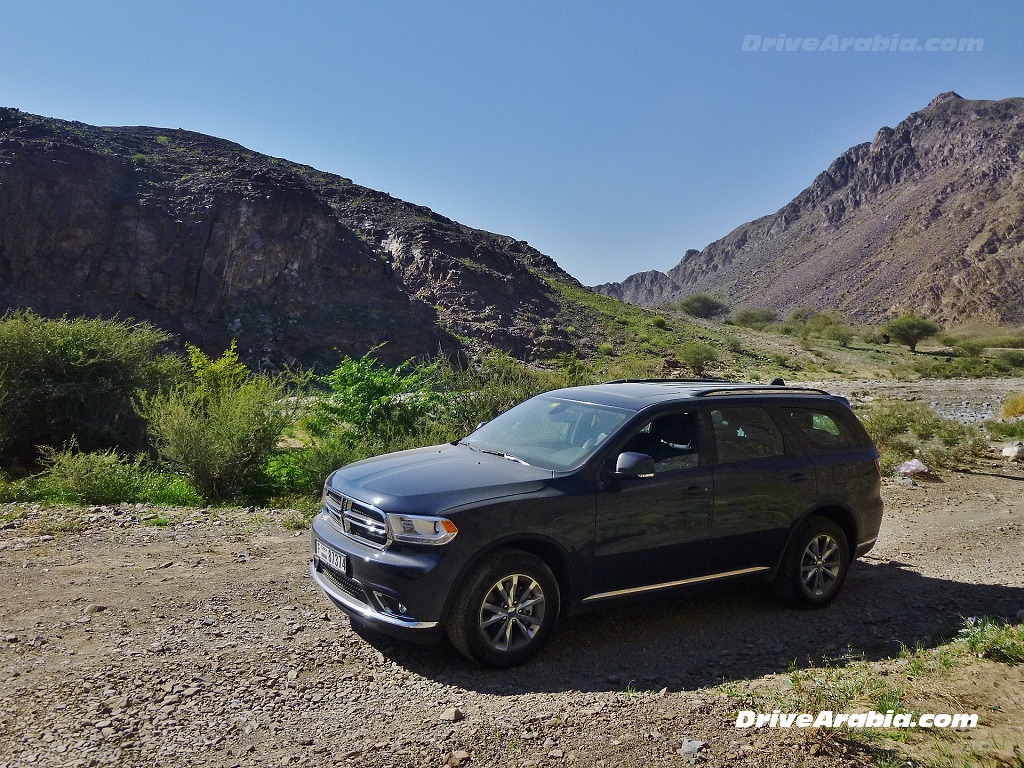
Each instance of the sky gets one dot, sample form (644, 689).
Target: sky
(612, 136)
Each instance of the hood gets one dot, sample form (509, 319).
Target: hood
(431, 480)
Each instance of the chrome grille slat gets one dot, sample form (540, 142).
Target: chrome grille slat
(356, 519)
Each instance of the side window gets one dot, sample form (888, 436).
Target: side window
(743, 434)
(821, 430)
(671, 440)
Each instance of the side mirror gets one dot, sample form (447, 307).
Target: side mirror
(632, 465)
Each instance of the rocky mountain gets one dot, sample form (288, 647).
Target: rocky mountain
(213, 242)
(927, 217)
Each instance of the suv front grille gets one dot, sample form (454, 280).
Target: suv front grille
(358, 520)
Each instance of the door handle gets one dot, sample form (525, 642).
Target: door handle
(798, 477)
(693, 490)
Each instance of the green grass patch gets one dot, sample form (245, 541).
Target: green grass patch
(906, 430)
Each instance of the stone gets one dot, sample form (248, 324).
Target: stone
(1014, 450)
(452, 715)
(691, 747)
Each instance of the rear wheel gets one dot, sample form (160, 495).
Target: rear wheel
(814, 567)
(505, 609)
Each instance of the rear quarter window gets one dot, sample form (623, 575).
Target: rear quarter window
(820, 429)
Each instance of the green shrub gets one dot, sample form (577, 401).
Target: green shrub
(905, 430)
(64, 380)
(219, 429)
(1013, 358)
(606, 348)
(658, 321)
(996, 640)
(838, 332)
(698, 356)
(704, 306)
(911, 330)
(969, 347)
(103, 477)
(755, 318)
(1005, 430)
(364, 398)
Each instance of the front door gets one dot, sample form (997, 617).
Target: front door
(656, 530)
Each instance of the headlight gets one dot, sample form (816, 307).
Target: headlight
(410, 529)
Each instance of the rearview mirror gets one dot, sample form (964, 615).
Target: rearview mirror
(632, 464)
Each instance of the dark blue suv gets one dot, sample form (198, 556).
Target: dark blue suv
(589, 494)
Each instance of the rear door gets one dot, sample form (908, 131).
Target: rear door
(763, 482)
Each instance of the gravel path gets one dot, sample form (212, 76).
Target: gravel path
(205, 643)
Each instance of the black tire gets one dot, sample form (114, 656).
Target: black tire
(815, 565)
(497, 632)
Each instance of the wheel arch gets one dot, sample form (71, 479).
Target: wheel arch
(839, 515)
(551, 552)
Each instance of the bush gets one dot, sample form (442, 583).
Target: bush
(364, 398)
(658, 321)
(64, 380)
(969, 347)
(103, 477)
(755, 318)
(905, 430)
(698, 356)
(1013, 406)
(1013, 358)
(843, 334)
(219, 429)
(704, 306)
(1005, 430)
(606, 348)
(911, 330)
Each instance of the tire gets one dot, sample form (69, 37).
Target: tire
(505, 609)
(815, 565)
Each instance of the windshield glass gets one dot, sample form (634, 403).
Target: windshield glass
(548, 432)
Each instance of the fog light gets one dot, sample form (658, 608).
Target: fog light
(389, 604)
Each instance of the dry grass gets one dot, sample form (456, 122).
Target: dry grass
(1013, 406)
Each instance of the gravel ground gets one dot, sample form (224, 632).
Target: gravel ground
(204, 642)
(966, 400)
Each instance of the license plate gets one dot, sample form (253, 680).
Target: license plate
(335, 560)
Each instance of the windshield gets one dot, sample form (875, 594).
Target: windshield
(548, 432)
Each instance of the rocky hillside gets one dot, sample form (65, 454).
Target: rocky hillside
(927, 217)
(212, 241)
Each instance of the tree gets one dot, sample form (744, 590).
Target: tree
(912, 330)
(704, 306)
(757, 319)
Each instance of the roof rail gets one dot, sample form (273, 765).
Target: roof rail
(767, 389)
(670, 381)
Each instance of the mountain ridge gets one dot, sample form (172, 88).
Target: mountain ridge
(926, 217)
(213, 242)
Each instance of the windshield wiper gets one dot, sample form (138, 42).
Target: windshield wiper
(503, 455)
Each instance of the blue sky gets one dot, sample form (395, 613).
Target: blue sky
(610, 135)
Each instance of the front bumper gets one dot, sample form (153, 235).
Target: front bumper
(400, 591)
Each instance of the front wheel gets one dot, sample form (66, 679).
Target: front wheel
(505, 609)
(815, 564)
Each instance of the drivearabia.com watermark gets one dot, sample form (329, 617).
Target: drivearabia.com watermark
(872, 719)
(782, 43)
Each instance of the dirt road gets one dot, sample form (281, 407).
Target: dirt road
(204, 643)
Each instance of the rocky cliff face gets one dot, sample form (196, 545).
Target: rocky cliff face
(928, 217)
(211, 241)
